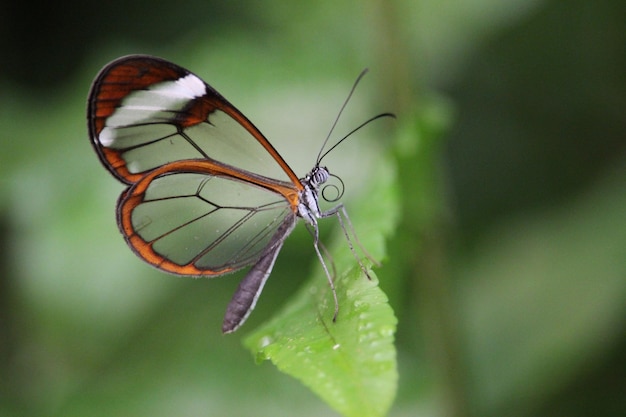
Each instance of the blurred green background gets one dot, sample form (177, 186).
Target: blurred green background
(508, 271)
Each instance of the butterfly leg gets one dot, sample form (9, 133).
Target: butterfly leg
(348, 229)
(356, 237)
(316, 245)
(324, 250)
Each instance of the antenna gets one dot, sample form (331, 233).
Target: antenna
(321, 153)
(368, 121)
(343, 106)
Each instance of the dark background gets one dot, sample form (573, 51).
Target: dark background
(508, 273)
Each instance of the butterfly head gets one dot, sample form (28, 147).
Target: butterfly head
(318, 175)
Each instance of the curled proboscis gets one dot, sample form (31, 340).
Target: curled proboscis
(337, 190)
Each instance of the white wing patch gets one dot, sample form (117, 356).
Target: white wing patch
(189, 86)
(158, 103)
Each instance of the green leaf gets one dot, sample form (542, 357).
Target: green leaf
(351, 362)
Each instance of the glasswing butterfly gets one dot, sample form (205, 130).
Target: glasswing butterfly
(207, 193)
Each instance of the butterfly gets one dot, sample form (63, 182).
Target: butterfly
(207, 194)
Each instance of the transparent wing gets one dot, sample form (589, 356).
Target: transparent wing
(200, 223)
(145, 112)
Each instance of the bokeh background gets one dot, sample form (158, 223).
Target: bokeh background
(508, 270)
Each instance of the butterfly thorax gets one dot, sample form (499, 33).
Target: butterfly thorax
(308, 207)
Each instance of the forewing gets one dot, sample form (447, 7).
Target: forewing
(195, 223)
(145, 112)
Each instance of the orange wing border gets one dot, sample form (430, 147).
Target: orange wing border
(134, 196)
